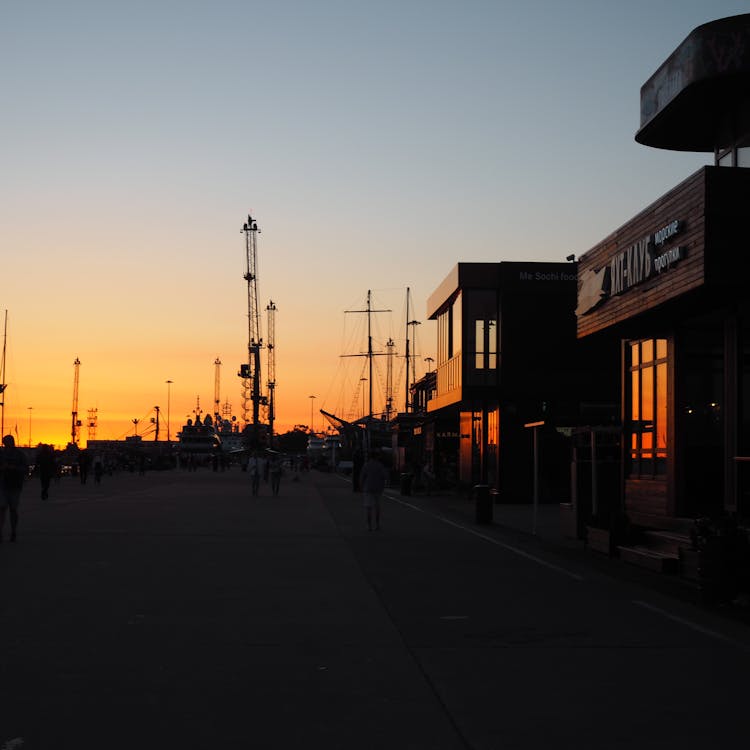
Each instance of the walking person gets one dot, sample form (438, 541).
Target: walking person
(84, 464)
(98, 469)
(254, 469)
(275, 470)
(372, 481)
(45, 461)
(13, 470)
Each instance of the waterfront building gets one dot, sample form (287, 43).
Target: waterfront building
(507, 356)
(670, 288)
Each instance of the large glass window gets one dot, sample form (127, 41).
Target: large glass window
(485, 338)
(648, 424)
(457, 338)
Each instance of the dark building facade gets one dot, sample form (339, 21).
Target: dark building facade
(670, 287)
(505, 359)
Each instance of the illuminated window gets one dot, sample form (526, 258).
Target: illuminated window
(648, 407)
(485, 341)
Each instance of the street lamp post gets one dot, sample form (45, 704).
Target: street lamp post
(169, 403)
(429, 361)
(312, 425)
(30, 408)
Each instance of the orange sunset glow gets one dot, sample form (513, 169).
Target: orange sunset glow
(137, 140)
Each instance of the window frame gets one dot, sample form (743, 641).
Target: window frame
(647, 406)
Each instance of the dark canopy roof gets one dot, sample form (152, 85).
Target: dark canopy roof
(706, 80)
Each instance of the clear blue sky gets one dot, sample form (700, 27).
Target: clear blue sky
(377, 143)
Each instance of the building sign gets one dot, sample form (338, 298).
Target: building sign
(547, 276)
(640, 262)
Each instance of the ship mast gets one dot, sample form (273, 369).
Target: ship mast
(370, 354)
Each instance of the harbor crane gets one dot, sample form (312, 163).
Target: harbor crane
(250, 373)
(93, 415)
(217, 388)
(271, 362)
(75, 423)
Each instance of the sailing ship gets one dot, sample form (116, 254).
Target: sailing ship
(372, 429)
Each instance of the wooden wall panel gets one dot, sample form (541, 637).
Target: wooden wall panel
(713, 204)
(685, 203)
(645, 499)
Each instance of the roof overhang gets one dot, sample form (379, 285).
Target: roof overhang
(684, 102)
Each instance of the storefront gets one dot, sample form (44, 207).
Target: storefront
(508, 356)
(671, 286)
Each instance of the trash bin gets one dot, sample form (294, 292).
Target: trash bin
(483, 503)
(406, 480)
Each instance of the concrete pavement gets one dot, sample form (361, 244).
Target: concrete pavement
(174, 610)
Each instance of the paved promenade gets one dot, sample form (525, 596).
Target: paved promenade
(173, 610)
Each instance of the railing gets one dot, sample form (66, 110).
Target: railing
(449, 376)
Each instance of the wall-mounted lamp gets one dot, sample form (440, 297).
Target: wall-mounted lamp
(570, 257)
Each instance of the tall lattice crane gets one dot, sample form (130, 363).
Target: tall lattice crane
(75, 423)
(217, 388)
(250, 372)
(91, 423)
(271, 346)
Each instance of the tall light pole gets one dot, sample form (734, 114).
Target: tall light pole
(169, 404)
(30, 408)
(312, 426)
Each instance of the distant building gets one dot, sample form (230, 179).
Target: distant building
(506, 356)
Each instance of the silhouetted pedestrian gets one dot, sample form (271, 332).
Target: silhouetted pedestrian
(275, 470)
(372, 481)
(98, 470)
(45, 462)
(84, 464)
(13, 468)
(255, 469)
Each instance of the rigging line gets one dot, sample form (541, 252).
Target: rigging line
(356, 387)
(338, 382)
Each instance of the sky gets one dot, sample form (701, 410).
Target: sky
(376, 145)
